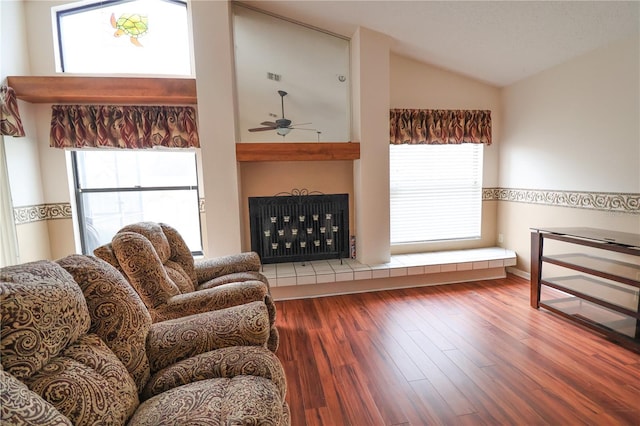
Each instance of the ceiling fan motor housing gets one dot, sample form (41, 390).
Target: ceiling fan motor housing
(283, 122)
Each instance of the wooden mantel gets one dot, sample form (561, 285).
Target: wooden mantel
(297, 151)
(117, 90)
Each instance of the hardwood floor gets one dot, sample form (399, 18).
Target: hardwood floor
(472, 353)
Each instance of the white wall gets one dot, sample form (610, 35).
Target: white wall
(570, 119)
(22, 154)
(308, 62)
(574, 127)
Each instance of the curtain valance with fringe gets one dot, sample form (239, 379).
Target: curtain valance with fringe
(126, 127)
(10, 121)
(436, 126)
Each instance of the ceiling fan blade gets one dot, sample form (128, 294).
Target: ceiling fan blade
(299, 124)
(269, 123)
(261, 129)
(298, 128)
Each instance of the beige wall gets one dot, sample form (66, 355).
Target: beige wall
(574, 128)
(370, 76)
(516, 219)
(418, 85)
(213, 51)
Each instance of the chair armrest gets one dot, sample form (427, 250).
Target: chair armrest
(207, 269)
(211, 299)
(220, 363)
(171, 341)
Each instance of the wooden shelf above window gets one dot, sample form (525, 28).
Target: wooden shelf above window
(297, 151)
(116, 90)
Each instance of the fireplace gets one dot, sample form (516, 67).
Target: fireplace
(299, 226)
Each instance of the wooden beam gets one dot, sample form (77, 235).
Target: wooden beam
(116, 90)
(297, 151)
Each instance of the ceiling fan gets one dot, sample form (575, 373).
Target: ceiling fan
(283, 125)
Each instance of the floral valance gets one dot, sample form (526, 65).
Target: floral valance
(10, 122)
(128, 127)
(439, 126)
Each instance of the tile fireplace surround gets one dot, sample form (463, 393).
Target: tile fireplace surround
(328, 277)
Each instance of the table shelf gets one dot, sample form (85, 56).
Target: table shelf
(600, 291)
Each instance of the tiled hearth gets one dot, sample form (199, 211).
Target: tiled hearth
(406, 265)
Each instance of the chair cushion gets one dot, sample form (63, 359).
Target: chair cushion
(224, 362)
(241, 400)
(210, 299)
(179, 276)
(42, 312)
(174, 340)
(234, 277)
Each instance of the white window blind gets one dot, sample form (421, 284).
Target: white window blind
(435, 192)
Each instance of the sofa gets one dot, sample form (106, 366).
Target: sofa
(78, 347)
(158, 264)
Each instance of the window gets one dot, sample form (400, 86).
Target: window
(117, 188)
(114, 188)
(123, 37)
(435, 192)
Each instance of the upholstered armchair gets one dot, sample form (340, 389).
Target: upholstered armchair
(157, 262)
(78, 347)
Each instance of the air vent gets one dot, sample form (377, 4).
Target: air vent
(273, 76)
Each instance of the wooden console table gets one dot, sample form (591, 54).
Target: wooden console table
(591, 276)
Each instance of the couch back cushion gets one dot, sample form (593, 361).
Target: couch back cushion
(45, 345)
(105, 252)
(118, 315)
(88, 384)
(42, 312)
(180, 253)
(152, 232)
(21, 406)
(171, 250)
(143, 268)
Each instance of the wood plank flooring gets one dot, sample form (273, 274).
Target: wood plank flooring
(461, 354)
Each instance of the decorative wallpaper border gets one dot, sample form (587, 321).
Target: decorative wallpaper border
(605, 201)
(40, 212)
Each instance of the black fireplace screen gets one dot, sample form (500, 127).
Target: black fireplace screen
(293, 228)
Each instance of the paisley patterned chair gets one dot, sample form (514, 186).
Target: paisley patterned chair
(157, 262)
(78, 347)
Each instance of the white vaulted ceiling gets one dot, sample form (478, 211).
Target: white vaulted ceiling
(498, 42)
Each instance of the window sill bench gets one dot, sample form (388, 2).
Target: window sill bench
(330, 277)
